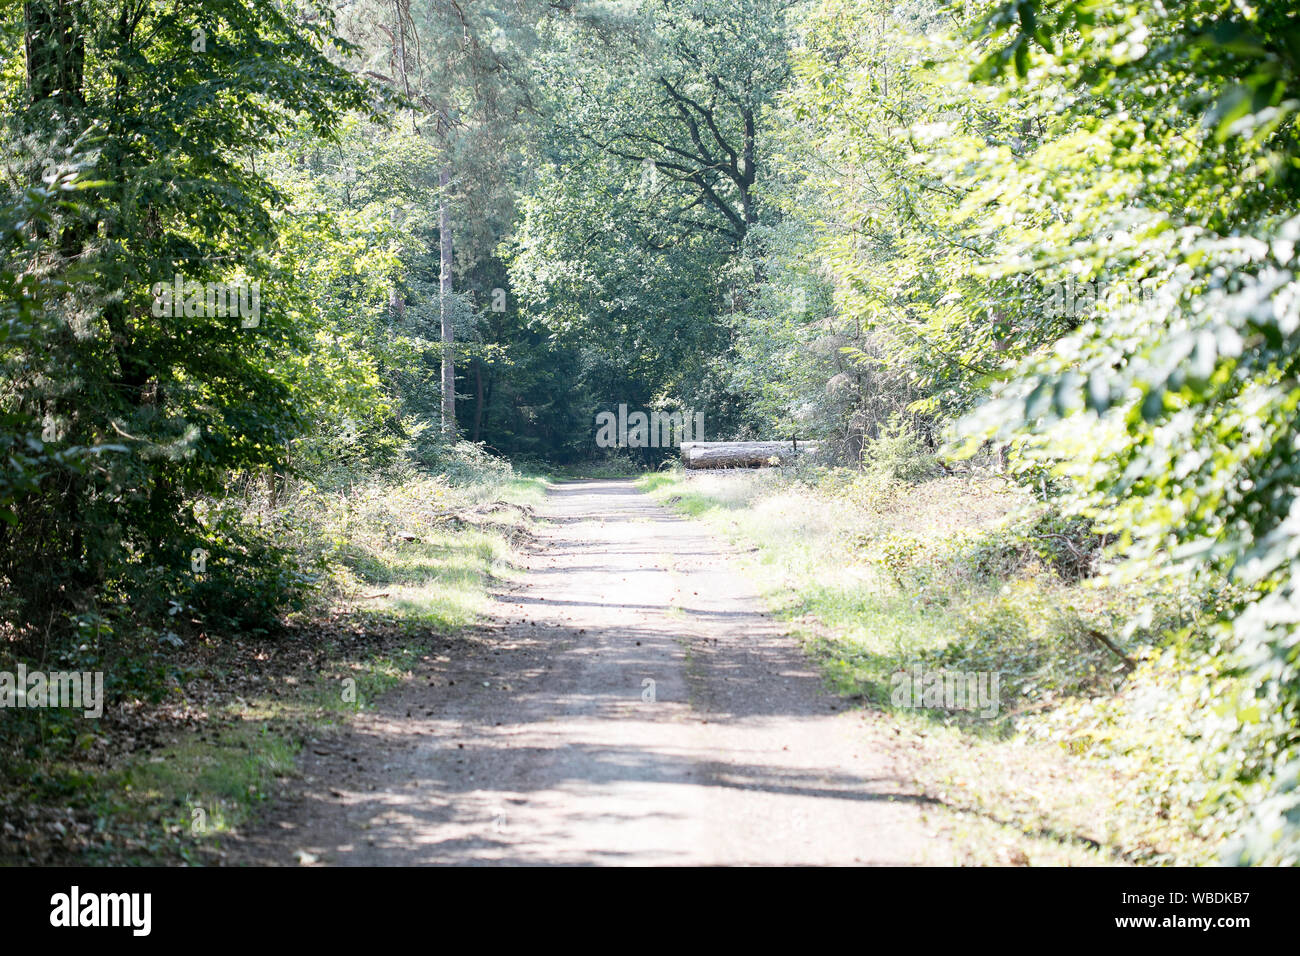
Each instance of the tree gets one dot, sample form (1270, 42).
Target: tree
(643, 193)
(1168, 412)
(462, 69)
(152, 117)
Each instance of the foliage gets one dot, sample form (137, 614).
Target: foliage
(1059, 232)
(148, 127)
(1072, 227)
(1171, 414)
(628, 246)
(899, 454)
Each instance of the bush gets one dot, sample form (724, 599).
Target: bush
(465, 463)
(899, 454)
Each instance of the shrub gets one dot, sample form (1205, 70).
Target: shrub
(898, 454)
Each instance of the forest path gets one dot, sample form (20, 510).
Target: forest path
(541, 740)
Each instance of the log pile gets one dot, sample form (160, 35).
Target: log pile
(743, 454)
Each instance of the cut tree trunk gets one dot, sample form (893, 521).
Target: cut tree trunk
(742, 454)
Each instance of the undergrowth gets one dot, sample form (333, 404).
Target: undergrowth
(886, 579)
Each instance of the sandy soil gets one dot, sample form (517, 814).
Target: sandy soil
(541, 739)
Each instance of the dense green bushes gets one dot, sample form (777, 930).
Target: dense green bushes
(1171, 416)
(1070, 227)
(150, 451)
(121, 182)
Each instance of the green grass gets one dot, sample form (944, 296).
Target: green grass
(438, 583)
(873, 592)
(205, 786)
(671, 488)
(525, 489)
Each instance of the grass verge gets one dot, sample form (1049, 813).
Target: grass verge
(1010, 663)
(202, 730)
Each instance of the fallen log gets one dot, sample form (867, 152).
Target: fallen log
(742, 454)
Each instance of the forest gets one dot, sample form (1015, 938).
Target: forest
(317, 315)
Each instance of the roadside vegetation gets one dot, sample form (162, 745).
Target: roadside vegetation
(1097, 748)
(207, 714)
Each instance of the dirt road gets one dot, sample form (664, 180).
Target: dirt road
(630, 704)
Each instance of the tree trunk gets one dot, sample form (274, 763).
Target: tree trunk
(444, 307)
(396, 306)
(478, 405)
(743, 454)
(56, 52)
